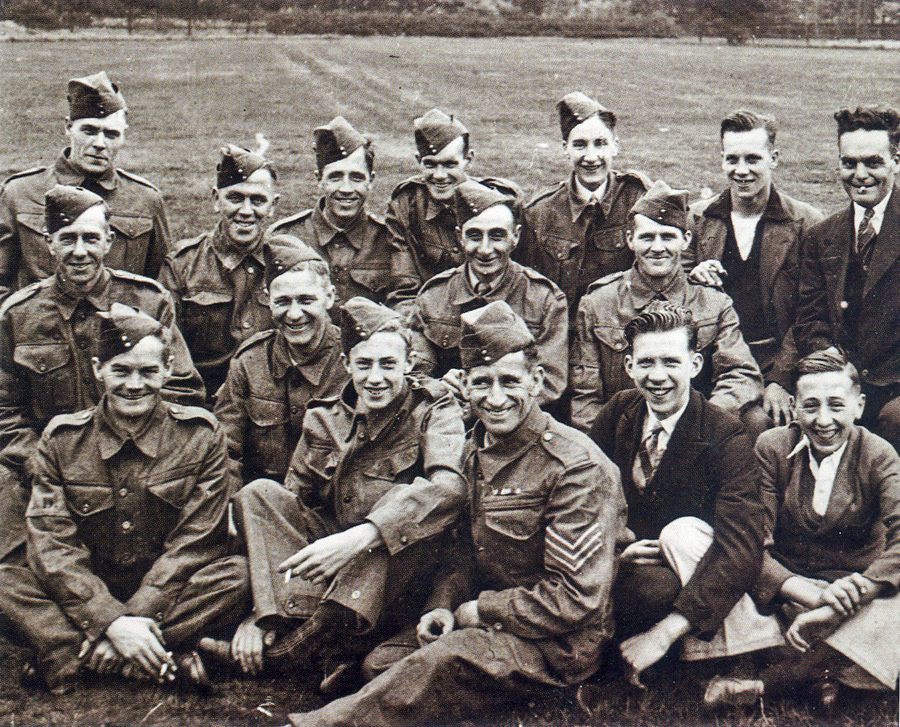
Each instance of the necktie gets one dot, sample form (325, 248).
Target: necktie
(866, 232)
(648, 458)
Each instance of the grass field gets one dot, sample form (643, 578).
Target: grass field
(187, 98)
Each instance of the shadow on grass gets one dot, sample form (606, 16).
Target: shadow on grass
(265, 702)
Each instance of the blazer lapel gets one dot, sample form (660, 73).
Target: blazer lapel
(777, 238)
(843, 490)
(684, 445)
(886, 248)
(841, 238)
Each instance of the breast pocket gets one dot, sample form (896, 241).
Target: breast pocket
(50, 376)
(206, 321)
(267, 445)
(562, 258)
(610, 252)
(33, 243)
(512, 532)
(165, 501)
(92, 508)
(132, 239)
(380, 475)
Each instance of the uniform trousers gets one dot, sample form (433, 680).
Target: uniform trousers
(460, 676)
(211, 601)
(651, 591)
(384, 592)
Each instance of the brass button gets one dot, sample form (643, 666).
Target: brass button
(404, 539)
(547, 436)
(844, 305)
(347, 498)
(123, 492)
(355, 594)
(86, 507)
(126, 525)
(498, 626)
(42, 366)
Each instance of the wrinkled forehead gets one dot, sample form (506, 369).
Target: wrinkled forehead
(864, 143)
(299, 283)
(113, 122)
(497, 215)
(380, 345)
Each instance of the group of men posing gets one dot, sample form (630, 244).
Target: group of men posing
(337, 447)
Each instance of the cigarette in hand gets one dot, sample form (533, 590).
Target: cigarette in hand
(287, 576)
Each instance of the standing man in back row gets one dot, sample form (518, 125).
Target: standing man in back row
(95, 128)
(746, 241)
(421, 214)
(574, 233)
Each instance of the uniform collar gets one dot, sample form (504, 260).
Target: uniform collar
(67, 300)
(396, 413)
(578, 204)
(112, 437)
(229, 254)
(774, 212)
(462, 292)
(510, 447)
(325, 231)
(313, 367)
(434, 207)
(643, 291)
(67, 174)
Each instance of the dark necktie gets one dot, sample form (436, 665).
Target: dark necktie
(648, 458)
(866, 232)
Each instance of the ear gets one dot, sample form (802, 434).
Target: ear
(411, 358)
(329, 296)
(860, 406)
(517, 233)
(793, 405)
(167, 366)
(696, 363)
(537, 373)
(96, 366)
(470, 155)
(346, 361)
(688, 236)
(217, 200)
(615, 145)
(275, 199)
(68, 124)
(775, 155)
(418, 158)
(629, 237)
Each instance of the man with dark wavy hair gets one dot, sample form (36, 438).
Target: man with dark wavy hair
(850, 266)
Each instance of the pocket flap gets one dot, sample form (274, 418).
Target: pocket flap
(392, 465)
(208, 297)
(611, 336)
(42, 358)
(173, 492)
(518, 519)
(265, 413)
(86, 500)
(131, 226)
(560, 247)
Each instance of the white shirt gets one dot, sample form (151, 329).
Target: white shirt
(744, 232)
(586, 195)
(824, 473)
(877, 217)
(668, 426)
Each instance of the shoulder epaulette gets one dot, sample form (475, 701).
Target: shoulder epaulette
(290, 220)
(134, 277)
(254, 340)
(434, 388)
(322, 403)
(23, 173)
(187, 243)
(606, 280)
(406, 183)
(571, 447)
(642, 176)
(75, 419)
(137, 178)
(438, 279)
(376, 219)
(544, 193)
(533, 274)
(20, 295)
(186, 413)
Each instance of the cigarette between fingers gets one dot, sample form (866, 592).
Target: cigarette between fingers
(287, 576)
(163, 669)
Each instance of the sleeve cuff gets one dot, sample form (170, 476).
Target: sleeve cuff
(492, 610)
(94, 616)
(150, 602)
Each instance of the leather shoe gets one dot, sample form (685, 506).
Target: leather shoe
(728, 691)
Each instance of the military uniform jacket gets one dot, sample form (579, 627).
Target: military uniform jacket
(427, 229)
(263, 401)
(47, 341)
(539, 302)
(860, 530)
(784, 221)
(706, 472)
(573, 243)
(107, 509)
(137, 217)
(345, 463)
(220, 299)
(362, 259)
(730, 377)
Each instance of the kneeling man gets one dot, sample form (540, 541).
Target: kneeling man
(525, 608)
(126, 525)
(694, 509)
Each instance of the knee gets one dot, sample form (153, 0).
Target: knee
(683, 531)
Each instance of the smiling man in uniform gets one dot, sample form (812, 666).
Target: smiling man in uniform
(95, 128)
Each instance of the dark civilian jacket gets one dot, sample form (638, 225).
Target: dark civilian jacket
(823, 272)
(706, 472)
(860, 530)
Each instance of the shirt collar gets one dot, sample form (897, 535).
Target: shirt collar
(325, 231)
(804, 443)
(877, 216)
(434, 207)
(67, 174)
(643, 290)
(462, 291)
(313, 367)
(508, 448)
(229, 254)
(396, 413)
(67, 300)
(578, 203)
(112, 437)
(670, 422)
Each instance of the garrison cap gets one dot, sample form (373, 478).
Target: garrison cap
(336, 140)
(361, 318)
(472, 198)
(122, 328)
(576, 107)
(490, 333)
(435, 130)
(64, 204)
(237, 164)
(94, 97)
(283, 253)
(664, 205)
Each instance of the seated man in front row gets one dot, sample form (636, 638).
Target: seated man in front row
(489, 233)
(126, 525)
(526, 608)
(832, 489)
(694, 507)
(384, 430)
(659, 234)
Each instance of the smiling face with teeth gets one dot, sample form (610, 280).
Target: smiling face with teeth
(590, 147)
(826, 406)
(132, 380)
(662, 364)
(299, 301)
(378, 367)
(868, 165)
(445, 170)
